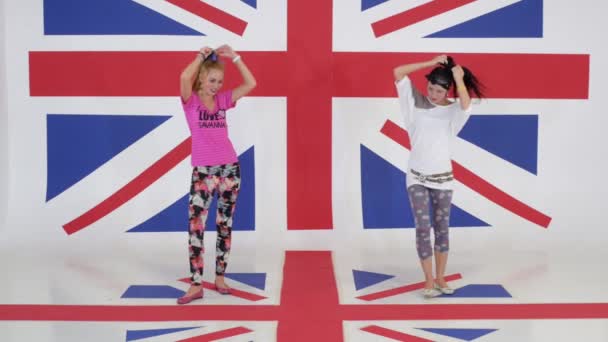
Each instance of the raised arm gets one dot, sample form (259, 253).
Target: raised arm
(190, 73)
(248, 80)
(461, 117)
(403, 70)
(461, 88)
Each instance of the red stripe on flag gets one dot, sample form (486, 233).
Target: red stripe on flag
(522, 76)
(494, 194)
(396, 133)
(395, 335)
(310, 289)
(131, 189)
(309, 119)
(136, 73)
(415, 15)
(214, 336)
(212, 14)
(393, 312)
(476, 183)
(139, 313)
(367, 312)
(505, 75)
(403, 289)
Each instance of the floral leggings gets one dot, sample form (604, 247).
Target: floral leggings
(225, 180)
(438, 213)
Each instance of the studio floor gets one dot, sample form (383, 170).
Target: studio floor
(125, 290)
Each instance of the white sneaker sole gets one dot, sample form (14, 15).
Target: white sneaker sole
(445, 290)
(430, 293)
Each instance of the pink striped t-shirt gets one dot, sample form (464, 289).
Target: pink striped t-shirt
(210, 142)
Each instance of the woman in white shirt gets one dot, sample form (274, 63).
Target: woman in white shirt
(432, 121)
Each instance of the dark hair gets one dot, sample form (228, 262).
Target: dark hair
(442, 76)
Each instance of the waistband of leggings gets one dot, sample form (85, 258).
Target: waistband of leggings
(434, 178)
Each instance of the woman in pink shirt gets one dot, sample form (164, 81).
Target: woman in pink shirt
(214, 160)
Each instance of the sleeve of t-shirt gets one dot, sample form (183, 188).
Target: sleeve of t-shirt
(190, 106)
(224, 100)
(407, 99)
(460, 118)
(188, 103)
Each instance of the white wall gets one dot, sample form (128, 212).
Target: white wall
(3, 121)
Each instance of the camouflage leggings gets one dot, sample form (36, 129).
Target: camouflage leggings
(438, 213)
(224, 180)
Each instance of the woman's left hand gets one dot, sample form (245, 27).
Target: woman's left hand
(226, 51)
(458, 72)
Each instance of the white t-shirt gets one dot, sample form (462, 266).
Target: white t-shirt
(431, 128)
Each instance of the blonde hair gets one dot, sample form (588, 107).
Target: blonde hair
(206, 66)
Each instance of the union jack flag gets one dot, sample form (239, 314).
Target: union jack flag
(320, 140)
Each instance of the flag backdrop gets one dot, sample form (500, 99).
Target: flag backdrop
(99, 148)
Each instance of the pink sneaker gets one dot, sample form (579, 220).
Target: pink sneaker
(188, 299)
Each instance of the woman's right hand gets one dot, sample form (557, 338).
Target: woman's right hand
(206, 51)
(441, 59)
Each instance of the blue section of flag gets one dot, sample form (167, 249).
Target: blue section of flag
(108, 17)
(244, 215)
(511, 137)
(480, 291)
(252, 3)
(523, 19)
(462, 334)
(364, 279)
(385, 200)
(152, 291)
(384, 203)
(461, 218)
(79, 144)
(257, 280)
(134, 335)
(367, 4)
(175, 217)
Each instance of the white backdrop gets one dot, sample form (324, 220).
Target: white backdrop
(3, 121)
